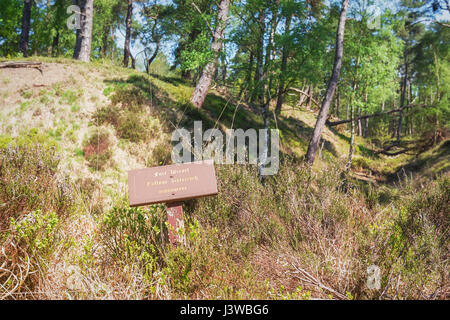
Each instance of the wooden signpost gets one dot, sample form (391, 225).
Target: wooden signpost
(171, 185)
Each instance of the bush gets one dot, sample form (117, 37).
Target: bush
(28, 177)
(133, 127)
(108, 114)
(129, 97)
(161, 154)
(25, 255)
(135, 236)
(97, 150)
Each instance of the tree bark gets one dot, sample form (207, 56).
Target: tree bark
(284, 58)
(55, 45)
(352, 140)
(260, 85)
(402, 99)
(338, 102)
(269, 51)
(201, 90)
(84, 35)
(323, 113)
(126, 48)
(152, 58)
(105, 38)
(26, 22)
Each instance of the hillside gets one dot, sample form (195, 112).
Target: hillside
(69, 134)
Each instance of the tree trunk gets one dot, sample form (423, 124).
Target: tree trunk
(26, 18)
(55, 45)
(323, 113)
(105, 37)
(360, 133)
(246, 86)
(260, 85)
(201, 90)
(402, 99)
(284, 58)
(152, 58)
(310, 97)
(224, 69)
(338, 102)
(126, 48)
(84, 35)
(269, 51)
(352, 140)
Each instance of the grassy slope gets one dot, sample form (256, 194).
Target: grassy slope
(297, 236)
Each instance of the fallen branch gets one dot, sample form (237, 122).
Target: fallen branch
(21, 64)
(306, 94)
(335, 123)
(387, 153)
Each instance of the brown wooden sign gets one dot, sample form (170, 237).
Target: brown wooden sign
(172, 184)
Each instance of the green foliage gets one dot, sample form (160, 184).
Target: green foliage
(10, 17)
(135, 235)
(197, 53)
(129, 97)
(28, 167)
(36, 233)
(70, 96)
(108, 114)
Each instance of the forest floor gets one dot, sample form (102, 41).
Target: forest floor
(302, 235)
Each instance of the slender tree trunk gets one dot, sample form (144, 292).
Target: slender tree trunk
(303, 96)
(310, 97)
(126, 48)
(323, 113)
(269, 51)
(55, 45)
(224, 67)
(360, 133)
(338, 102)
(201, 90)
(366, 127)
(260, 85)
(152, 58)
(105, 38)
(26, 22)
(284, 58)
(133, 62)
(352, 139)
(84, 35)
(402, 100)
(247, 86)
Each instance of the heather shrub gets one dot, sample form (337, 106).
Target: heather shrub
(97, 149)
(130, 97)
(28, 177)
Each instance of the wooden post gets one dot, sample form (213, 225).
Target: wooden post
(176, 222)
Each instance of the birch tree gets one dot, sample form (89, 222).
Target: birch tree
(323, 113)
(201, 90)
